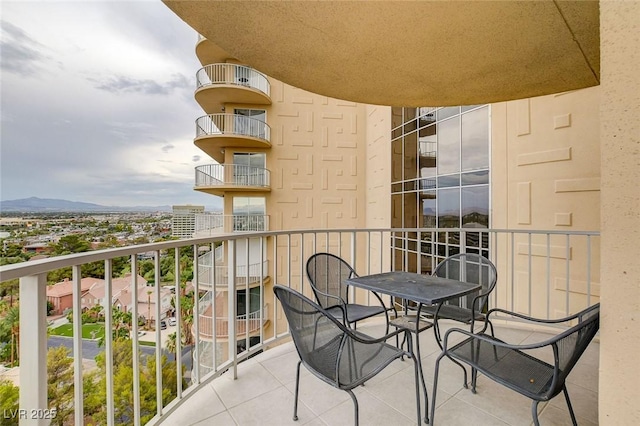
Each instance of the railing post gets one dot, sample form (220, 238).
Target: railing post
(33, 350)
(231, 303)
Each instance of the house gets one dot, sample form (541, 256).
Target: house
(61, 294)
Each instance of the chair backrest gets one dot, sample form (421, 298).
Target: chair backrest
(571, 344)
(318, 338)
(471, 268)
(327, 274)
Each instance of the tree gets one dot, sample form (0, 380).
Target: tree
(60, 383)
(72, 243)
(95, 385)
(10, 331)
(9, 403)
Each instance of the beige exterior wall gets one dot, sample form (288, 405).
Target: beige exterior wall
(545, 174)
(620, 213)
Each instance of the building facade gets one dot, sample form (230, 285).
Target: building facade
(184, 219)
(284, 158)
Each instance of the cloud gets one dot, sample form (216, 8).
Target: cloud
(20, 53)
(167, 148)
(196, 158)
(124, 84)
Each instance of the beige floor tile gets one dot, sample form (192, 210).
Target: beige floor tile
(372, 411)
(457, 413)
(272, 408)
(203, 404)
(253, 380)
(554, 416)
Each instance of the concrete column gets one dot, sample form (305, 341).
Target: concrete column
(619, 391)
(33, 350)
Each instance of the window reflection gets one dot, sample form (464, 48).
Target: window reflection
(449, 208)
(449, 146)
(475, 137)
(475, 207)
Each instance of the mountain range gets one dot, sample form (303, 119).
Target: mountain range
(43, 205)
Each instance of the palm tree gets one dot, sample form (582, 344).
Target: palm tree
(11, 325)
(171, 343)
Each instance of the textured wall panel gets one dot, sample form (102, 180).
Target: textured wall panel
(309, 207)
(524, 203)
(291, 199)
(302, 100)
(354, 208)
(578, 185)
(561, 121)
(540, 250)
(577, 286)
(354, 165)
(324, 177)
(354, 124)
(327, 157)
(332, 115)
(346, 187)
(523, 117)
(310, 121)
(302, 142)
(301, 185)
(331, 200)
(347, 143)
(563, 219)
(277, 179)
(309, 164)
(561, 154)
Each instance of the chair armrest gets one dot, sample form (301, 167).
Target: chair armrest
(359, 337)
(493, 341)
(533, 319)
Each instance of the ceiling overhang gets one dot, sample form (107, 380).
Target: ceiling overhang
(410, 53)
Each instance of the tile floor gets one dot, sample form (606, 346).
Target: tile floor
(263, 393)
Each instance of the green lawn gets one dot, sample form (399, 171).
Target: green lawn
(89, 331)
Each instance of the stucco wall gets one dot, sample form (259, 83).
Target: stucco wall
(619, 392)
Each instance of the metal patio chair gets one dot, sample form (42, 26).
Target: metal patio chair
(335, 353)
(327, 274)
(519, 367)
(471, 268)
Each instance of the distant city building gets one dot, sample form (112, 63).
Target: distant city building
(184, 220)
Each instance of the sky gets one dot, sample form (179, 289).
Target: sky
(96, 103)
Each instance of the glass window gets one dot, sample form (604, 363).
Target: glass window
(475, 137)
(475, 207)
(447, 112)
(254, 301)
(449, 146)
(428, 210)
(448, 181)
(448, 208)
(249, 206)
(475, 178)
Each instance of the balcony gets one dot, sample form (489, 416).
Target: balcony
(214, 224)
(547, 274)
(215, 132)
(217, 179)
(244, 324)
(216, 277)
(210, 53)
(219, 84)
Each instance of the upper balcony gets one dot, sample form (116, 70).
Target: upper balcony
(210, 53)
(215, 132)
(209, 224)
(217, 179)
(219, 84)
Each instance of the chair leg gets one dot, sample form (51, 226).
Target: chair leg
(355, 406)
(409, 337)
(417, 379)
(295, 398)
(573, 416)
(534, 413)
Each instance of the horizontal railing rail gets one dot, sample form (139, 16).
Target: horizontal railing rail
(239, 75)
(232, 124)
(232, 175)
(546, 274)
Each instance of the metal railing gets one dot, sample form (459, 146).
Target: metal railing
(212, 224)
(547, 274)
(245, 323)
(232, 174)
(232, 124)
(239, 75)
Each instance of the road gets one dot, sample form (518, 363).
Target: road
(90, 349)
